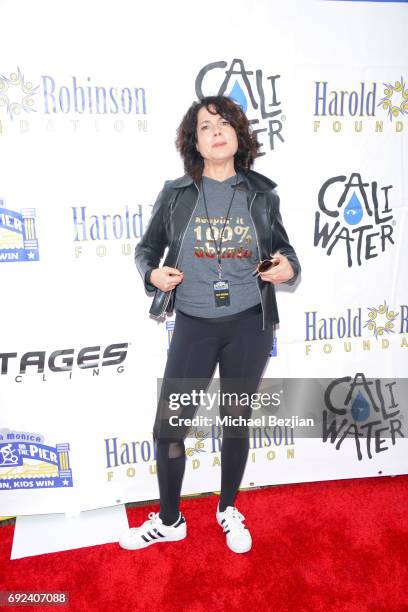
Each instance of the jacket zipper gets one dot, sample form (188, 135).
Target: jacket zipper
(166, 301)
(259, 253)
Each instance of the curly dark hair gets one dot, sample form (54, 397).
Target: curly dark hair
(224, 106)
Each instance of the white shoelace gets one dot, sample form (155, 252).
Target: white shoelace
(144, 528)
(152, 517)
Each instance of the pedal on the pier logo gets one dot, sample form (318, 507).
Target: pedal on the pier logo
(365, 410)
(18, 237)
(257, 94)
(27, 462)
(354, 217)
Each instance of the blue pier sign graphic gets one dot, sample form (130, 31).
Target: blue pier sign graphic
(18, 239)
(27, 463)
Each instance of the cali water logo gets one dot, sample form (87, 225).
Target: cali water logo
(354, 217)
(16, 94)
(364, 410)
(256, 93)
(395, 101)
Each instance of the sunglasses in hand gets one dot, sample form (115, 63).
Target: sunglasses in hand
(264, 266)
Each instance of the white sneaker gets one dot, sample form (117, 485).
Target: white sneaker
(238, 537)
(152, 532)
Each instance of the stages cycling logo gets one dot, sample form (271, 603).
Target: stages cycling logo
(63, 360)
(27, 463)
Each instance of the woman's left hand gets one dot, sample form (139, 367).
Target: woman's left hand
(281, 272)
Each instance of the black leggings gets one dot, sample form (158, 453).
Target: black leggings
(240, 347)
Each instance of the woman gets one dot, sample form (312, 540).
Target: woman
(227, 248)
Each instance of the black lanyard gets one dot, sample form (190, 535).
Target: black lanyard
(218, 247)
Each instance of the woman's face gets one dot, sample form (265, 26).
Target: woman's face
(216, 138)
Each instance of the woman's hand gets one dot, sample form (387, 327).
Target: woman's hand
(281, 272)
(166, 278)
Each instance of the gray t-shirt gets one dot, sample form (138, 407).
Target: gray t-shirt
(198, 257)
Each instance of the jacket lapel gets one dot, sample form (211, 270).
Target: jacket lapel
(181, 214)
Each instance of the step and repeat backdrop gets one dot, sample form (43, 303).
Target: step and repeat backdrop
(91, 95)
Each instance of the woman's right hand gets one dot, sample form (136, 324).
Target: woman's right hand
(166, 278)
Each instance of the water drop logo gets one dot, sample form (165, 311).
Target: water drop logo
(360, 408)
(353, 212)
(381, 320)
(238, 96)
(16, 94)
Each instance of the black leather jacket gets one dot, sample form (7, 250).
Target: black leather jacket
(171, 214)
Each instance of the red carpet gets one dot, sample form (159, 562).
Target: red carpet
(325, 546)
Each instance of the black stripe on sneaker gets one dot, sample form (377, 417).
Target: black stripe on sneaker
(223, 521)
(154, 537)
(160, 534)
(145, 539)
(180, 520)
(227, 531)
